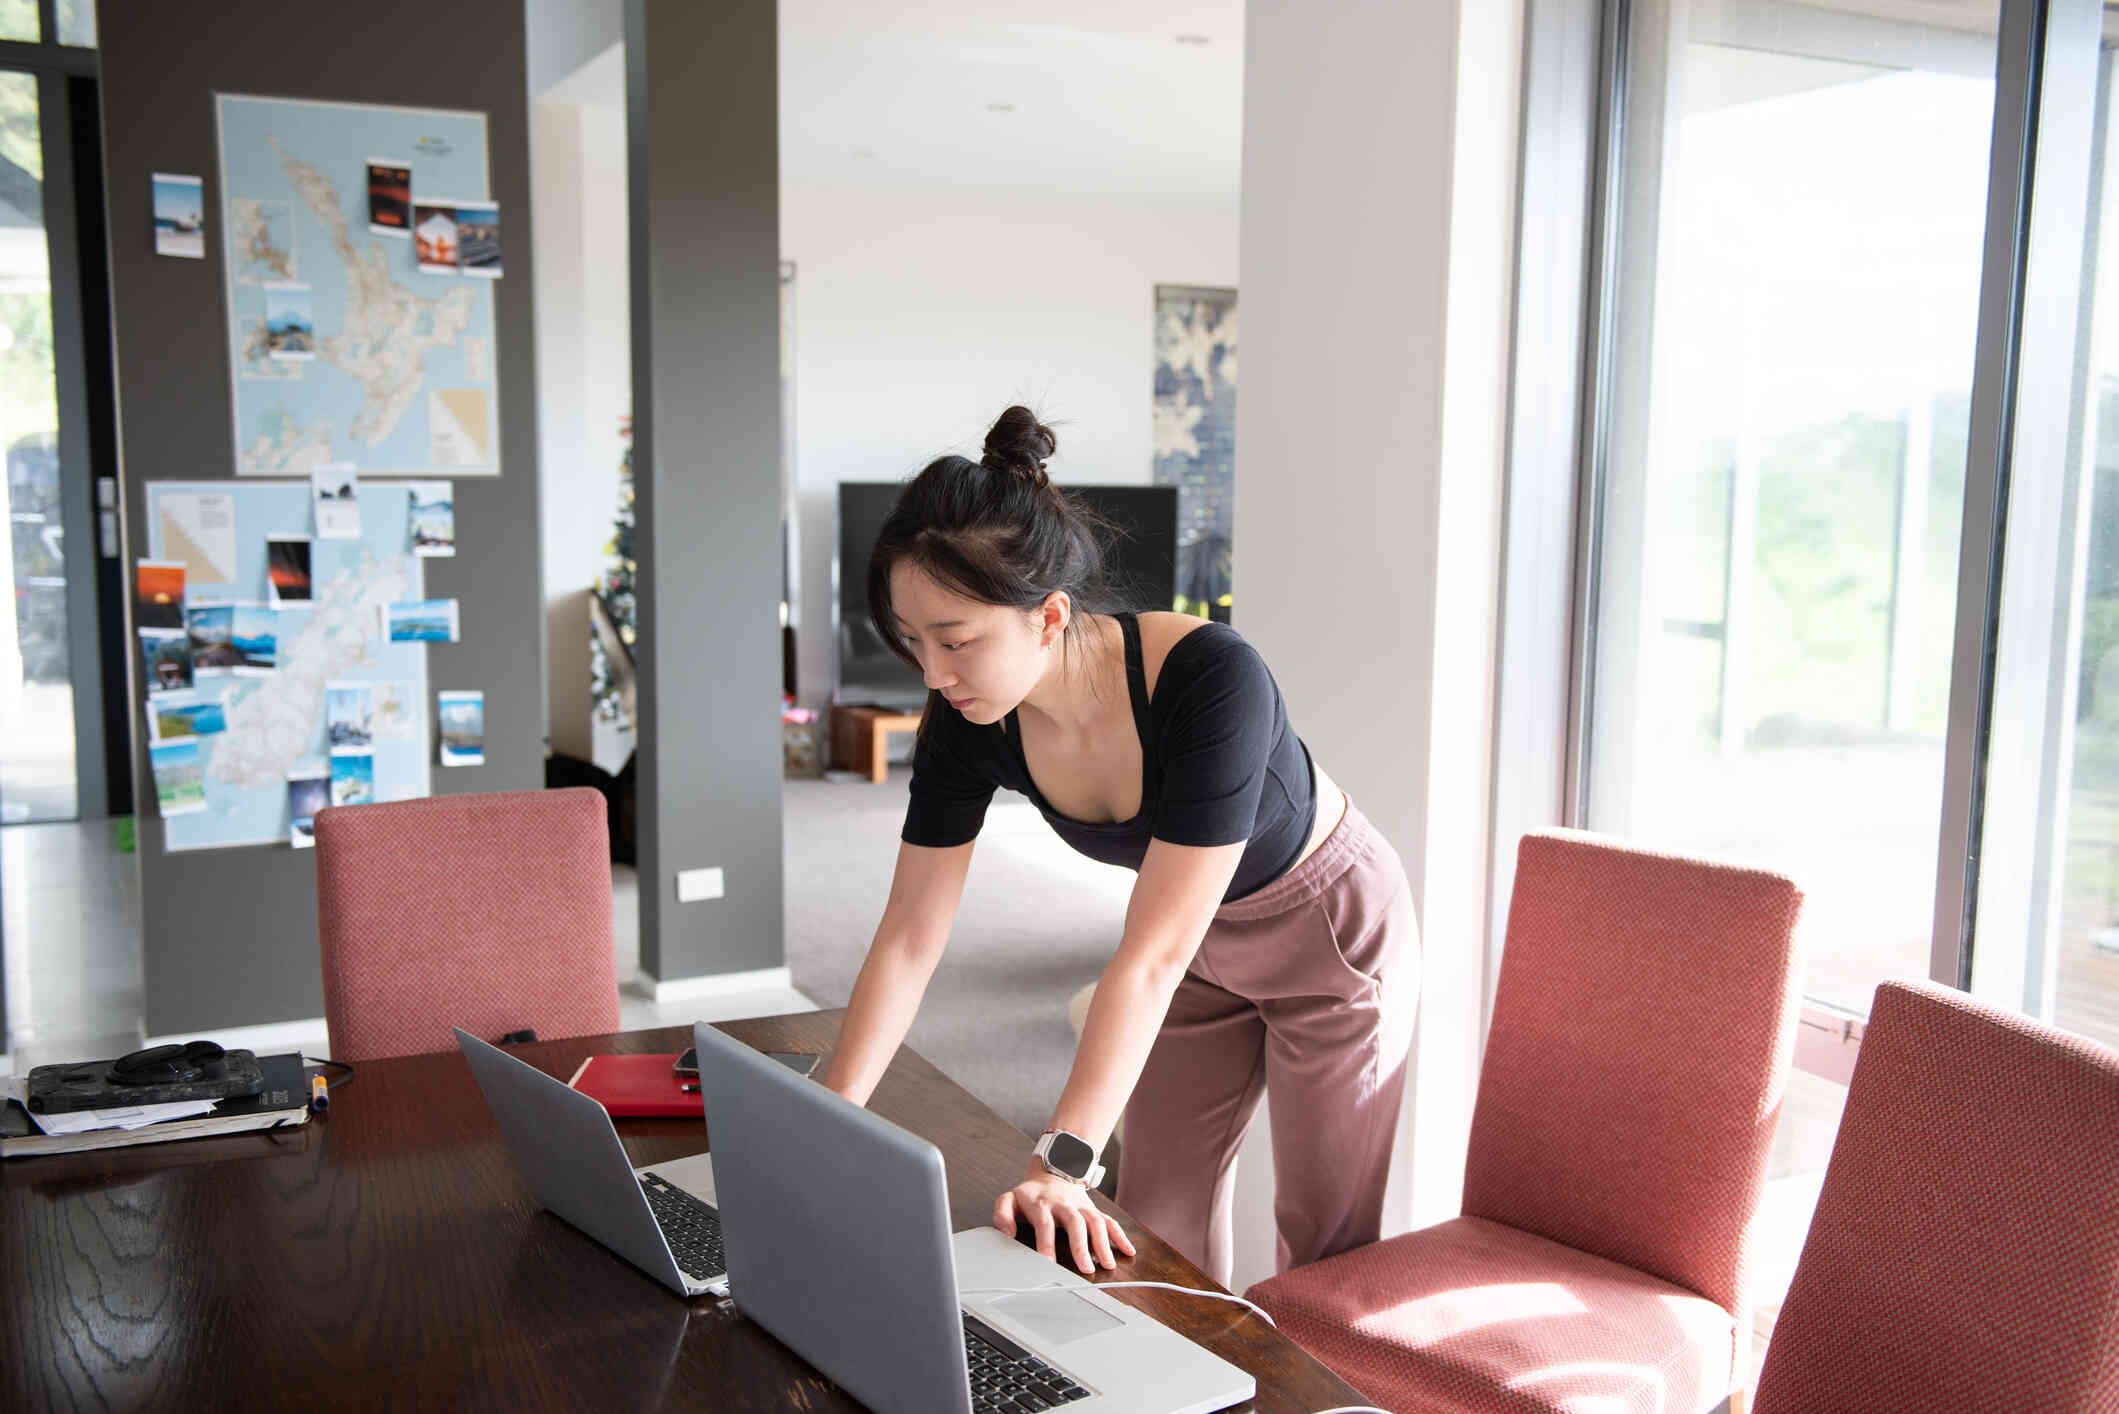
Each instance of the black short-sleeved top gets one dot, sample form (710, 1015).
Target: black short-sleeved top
(1219, 765)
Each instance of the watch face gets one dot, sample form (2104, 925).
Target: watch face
(1071, 1156)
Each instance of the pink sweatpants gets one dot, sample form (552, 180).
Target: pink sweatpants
(1305, 989)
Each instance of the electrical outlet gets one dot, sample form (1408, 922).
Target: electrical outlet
(693, 885)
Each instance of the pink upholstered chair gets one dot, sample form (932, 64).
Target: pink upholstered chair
(1965, 1251)
(489, 912)
(1642, 1032)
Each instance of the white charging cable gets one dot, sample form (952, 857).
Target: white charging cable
(1109, 1285)
(1166, 1286)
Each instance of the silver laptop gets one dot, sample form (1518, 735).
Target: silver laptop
(661, 1218)
(838, 1242)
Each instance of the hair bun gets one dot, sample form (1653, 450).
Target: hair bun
(1019, 443)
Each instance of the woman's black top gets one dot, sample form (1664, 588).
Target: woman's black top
(1219, 765)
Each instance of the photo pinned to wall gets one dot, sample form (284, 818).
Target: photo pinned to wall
(290, 328)
(253, 349)
(198, 528)
(434, 237)
(263, 235)
(428, 621)
(165, 658)
(308, 791)
(174, 715)
(158, 594)
(433, 517)
(460, 427)
(393, 716)
(256, 636)
(336, 488)
(353, 778)
(180, 777)
(349, 718)
(180, 215)
(210, 627)
(287, 568)
(463, 728)
(478, 238)
(389, 197)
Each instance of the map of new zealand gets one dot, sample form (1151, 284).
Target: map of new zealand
(395, 371)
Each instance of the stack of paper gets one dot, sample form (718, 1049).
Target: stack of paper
(82, 1121)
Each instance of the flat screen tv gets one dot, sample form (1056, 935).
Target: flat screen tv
(1144, 560)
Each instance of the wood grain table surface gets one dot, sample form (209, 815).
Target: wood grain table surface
(387, 1255)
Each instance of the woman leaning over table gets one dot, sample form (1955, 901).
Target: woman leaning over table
(1269, 943)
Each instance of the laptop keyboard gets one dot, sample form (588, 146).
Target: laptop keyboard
(692, 1227)
(1007, 1379)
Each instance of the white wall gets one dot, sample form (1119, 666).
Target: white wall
(1380, 153)
(919, 315)
(578, 193)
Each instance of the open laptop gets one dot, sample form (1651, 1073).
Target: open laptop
(661, 1218)
(838, 1243)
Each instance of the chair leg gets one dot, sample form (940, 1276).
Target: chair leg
(1739, 1401)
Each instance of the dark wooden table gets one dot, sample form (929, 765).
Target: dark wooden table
(386, 1255)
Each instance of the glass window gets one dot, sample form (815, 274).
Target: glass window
(2046, 938)
(18, 21)
(36, 683)
(77, 22)
(1800, 220)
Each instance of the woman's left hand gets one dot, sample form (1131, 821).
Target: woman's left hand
(1052, 1205)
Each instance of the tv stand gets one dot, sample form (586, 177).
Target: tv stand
(860, 737)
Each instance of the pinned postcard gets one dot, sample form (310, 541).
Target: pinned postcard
(174, 715)
(287, 568)
(180, 215)
(255, 633)
(158, 594)
(433, 518)
(198, 528)
(336, 487)
(392, 717)
(463, 728)
(290, 329)
(307, 793)
(389, 197)
(460, 426)
(180, 777)
(211, 629)
(165, 659)
(349, 723)
(429, 621)
(434, 236)
(478, 238)
(353, 779)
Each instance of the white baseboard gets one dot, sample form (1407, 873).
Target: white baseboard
(721, 984)
(265, 1040)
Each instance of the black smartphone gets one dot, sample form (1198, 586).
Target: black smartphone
(800, 1062)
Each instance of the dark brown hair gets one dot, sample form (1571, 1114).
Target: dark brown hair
(995, 530)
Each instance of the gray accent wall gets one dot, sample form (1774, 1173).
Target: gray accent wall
(703, 116)
(229, 936)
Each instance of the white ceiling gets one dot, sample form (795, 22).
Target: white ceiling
(1104, 96)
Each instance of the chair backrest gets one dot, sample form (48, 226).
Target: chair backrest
(1643, 1027)
(489, 912)
(1965, 1250)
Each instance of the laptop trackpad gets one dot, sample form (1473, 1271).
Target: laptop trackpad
(1056, 1317)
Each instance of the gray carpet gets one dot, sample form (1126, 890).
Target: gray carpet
(1037, 923)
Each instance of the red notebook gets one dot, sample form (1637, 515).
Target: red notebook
(638, 1085)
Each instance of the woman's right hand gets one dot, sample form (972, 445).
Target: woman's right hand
(1052, 1205)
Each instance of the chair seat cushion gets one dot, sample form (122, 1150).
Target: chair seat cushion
(1472, 1315)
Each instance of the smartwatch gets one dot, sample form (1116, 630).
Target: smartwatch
(1069, 1156)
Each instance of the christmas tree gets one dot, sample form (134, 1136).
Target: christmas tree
(615, 588)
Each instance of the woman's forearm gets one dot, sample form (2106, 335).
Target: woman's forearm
(886, 996)
(1124, 1016)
